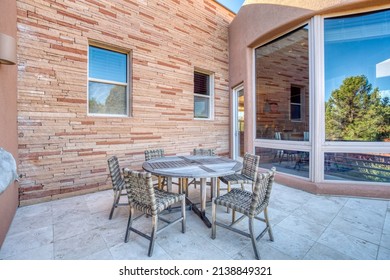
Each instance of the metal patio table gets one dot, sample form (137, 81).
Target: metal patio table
(199, 167)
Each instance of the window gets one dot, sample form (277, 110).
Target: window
(357, 77)
(107, 82)
(350, 136)
(295, 103)
(203, 95)
(287, 161)
(282, 80)
(372, 167)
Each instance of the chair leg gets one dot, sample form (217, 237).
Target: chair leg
(233, 216)
(228, 190)
(183, 214)
(153, 234)
(271, 236)
(253, 238)
(213, 220)
(129, 223)
(218, 187)
(114, 204)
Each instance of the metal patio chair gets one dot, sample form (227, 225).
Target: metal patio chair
(250, 204)
(201, 152)
(118, 184)
(152, 154)
(250, 167)
(144, 197)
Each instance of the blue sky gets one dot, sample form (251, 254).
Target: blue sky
(233, 5)
(358, 45)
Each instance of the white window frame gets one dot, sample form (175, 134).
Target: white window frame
(303, 146)
(127, 85)
(340, 146)
(317, 146)
(210, 96)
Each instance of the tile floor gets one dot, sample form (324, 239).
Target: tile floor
(305, 226)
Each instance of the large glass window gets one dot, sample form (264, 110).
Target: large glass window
(107, 82)
(357, 77)
(286, 161)
(356, 63)
(357, 167)
(282, 87)
(203, 92)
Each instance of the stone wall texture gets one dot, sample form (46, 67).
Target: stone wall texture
(62, 150)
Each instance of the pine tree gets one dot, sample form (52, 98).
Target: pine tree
(355, 112)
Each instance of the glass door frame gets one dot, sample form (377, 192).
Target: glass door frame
(235, 129)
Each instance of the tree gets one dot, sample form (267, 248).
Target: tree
(384, 130)
(355, 112)
(95, 106)
(116, 101)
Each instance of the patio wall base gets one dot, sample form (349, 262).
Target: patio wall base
(338, 188)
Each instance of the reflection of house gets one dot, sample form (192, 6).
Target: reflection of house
(383, 69)
(171, 47)
(280, 80)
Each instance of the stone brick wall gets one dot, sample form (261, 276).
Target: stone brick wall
(62, 150)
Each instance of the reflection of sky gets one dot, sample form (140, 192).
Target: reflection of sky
(233, 5)
(107, 65)
(99, 91)
(354, 46)
(201, 106)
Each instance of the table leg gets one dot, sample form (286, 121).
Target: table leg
(213, 187)
(203, 194)
(169, 183)
(202, 211)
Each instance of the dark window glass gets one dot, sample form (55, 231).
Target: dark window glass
(201, 83)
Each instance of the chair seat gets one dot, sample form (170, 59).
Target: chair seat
(163, 200)
(250, 204)
(240, 201)
(236, 178)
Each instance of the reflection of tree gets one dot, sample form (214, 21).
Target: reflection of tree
(385, 129)
(356, 112)
(116, 102)
(95, 106)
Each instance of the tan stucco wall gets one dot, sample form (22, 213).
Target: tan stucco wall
(8, 116)
(258, 22)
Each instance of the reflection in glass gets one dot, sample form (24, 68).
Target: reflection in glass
(107, 65)
(357, 167)
(285, 161)
(357, 77)
(107, 99)
(282, 87)
(240, 122)
(202, 107)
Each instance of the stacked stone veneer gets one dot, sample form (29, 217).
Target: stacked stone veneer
(62, 150)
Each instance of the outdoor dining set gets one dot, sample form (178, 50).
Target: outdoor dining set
(202, 168)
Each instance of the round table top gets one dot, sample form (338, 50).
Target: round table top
(192, 166)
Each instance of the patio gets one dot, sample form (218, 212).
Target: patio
(305, 226)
